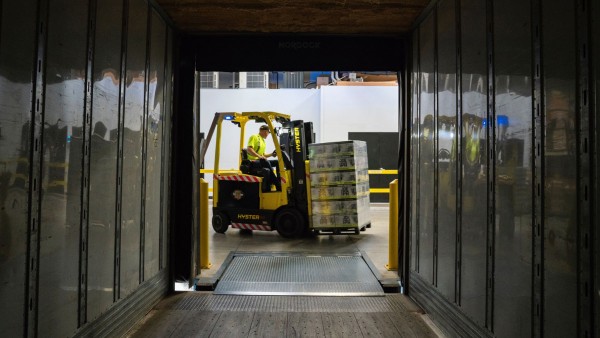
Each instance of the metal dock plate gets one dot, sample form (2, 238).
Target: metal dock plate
(299, 276)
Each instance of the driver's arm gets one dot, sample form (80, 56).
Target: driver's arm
(254, 153)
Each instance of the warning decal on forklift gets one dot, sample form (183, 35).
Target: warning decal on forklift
(241, 178)
(250, 226)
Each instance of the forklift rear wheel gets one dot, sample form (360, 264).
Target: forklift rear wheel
(289, 223)
(220, 222)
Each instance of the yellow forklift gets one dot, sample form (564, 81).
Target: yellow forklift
(244, 198)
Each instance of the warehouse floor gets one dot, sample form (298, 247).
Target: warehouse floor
(372, 244)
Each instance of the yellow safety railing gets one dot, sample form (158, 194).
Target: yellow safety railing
(371, 172)
(381, 172)
(204, 262)
(210, 171)
(393, 228)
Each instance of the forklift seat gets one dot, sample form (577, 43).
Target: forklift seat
(246, 163)
(249, 167)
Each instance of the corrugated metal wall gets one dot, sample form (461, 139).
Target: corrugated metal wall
(502, 141)
(595, 135)
(85, 100)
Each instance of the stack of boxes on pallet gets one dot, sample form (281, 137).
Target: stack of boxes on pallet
(339, 181)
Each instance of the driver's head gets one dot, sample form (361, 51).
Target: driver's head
(264, 131)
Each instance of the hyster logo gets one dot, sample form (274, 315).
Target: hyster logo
(297, 140)
(248, 216)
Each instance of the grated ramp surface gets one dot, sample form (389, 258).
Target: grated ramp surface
(299, 276)
(206, 301)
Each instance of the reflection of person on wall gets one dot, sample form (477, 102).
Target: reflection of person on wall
(427, 158)
(256, 152)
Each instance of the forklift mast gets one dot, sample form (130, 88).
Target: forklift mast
(295, 143)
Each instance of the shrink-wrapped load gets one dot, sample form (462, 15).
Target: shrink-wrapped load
(339, 186)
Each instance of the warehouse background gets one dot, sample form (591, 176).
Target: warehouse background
(334, 112)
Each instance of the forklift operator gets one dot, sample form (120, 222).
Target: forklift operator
(256, 152)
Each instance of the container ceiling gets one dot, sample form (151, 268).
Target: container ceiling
(369, 17)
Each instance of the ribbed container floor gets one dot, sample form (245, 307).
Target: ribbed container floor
(204, 314)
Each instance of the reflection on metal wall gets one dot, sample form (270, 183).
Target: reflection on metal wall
(426, 155)
(513, 208)
(474, 160)
(103, 159)
(16, 55)
(133, 134)
(560, 158)
(414, 149)
(509, 116)
(596, 161)
(154, 146)
(166, 150)
(78, 125)
(446, 150)
(63, 138)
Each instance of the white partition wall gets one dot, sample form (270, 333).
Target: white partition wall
(334, 111)
(357, 109)
(301, 104)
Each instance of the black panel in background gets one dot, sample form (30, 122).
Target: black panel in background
(296, 52)
(382, 149)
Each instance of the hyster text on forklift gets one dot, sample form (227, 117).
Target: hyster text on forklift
(245, 199)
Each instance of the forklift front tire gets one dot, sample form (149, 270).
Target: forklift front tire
(220, 222)
(289, 223)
